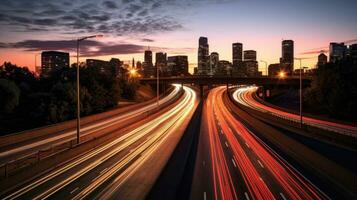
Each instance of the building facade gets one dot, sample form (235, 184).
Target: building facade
(337, 51)
(148, 67)
(287, 57)
(353, 53)
(161, 63)
(178, 65)
(214, 59)
(237, 55)
(224, 68)
(53, 60)
(321, 59)
(203, 56)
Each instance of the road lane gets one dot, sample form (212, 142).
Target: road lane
(118, 159)
(249, 169)
(30, 147)
(245, 96)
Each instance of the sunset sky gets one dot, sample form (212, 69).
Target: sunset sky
(173, 26)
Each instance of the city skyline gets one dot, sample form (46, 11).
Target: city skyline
(262, 30)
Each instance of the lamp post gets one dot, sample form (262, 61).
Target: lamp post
(157, 86)
(78, 95)
(266, 66)
(300, 91)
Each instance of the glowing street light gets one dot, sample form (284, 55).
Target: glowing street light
(133, 72)
(281, 74)
(78, 99)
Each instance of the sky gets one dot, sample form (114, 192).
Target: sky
(173, 26)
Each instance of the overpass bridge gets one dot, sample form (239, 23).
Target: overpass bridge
(207, 80)
(267, 83)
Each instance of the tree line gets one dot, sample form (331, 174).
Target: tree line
(334, 90)
(28, 101)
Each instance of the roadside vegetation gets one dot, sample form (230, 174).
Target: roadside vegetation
(28, 101)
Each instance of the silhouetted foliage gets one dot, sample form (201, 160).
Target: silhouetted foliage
(9, 94)
(334, 90)
(28, 101)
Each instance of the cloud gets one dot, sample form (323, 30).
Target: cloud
(89, 48)
(110, 4)
(125, 17)
(147, 40)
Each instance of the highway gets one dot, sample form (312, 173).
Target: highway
(233, 163)
(33, 145)
(245, 96)
(104, 171)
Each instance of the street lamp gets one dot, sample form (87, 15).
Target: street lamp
(266, 66)
(157, 86)
(78, 99)
(281, 74)
(300, 91)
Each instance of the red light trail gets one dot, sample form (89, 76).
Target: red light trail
(243, 144)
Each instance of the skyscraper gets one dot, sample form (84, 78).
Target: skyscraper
(337, 51)
(53, 60)
(214, 59)
(178, 65)
(203, 56)
(250, 63)
(149, 70)
(287, 57)
(237, 51)
(250, 55)
(321, 60)
(161, 62)
(148, 56)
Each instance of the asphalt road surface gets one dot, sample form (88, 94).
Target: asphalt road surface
(103, 172)
(232, 163)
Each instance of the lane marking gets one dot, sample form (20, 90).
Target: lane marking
(221, 131)
(104, 170)
(260, 164)
(247, 145)
(246, 195)
(204, 196)
(282, 196)
(75, 189)
(234, 163)
(230, 129)
(226, 144)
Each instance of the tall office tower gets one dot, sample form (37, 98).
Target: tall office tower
(250, 55)
(250, 63)
(321, 60)
(203, 56)
(214, 59)
(53, 60)
(133, 63)
(237, 51)
(178, 65)
(148, 57)
(287, 58)
(161, 60)
(149, 69)
(337, 51)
